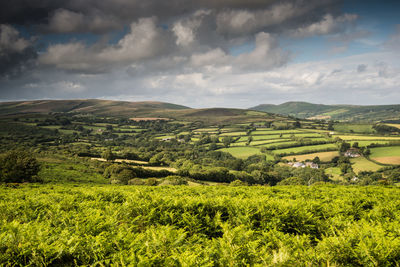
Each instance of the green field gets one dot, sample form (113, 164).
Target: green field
(66, 225)
(241, 152)
(261, 132)
(386, 155)
(261, 142)
(356, 128)
(363, 143)
(323, 156)
(363, 164)
(366, 137)
(270, 145)
(233, 134)
(304, 149)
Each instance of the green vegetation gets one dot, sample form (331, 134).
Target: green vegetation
(125, 186)
(198, 226)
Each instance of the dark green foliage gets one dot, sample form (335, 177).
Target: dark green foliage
(18, 166)
(385, 129)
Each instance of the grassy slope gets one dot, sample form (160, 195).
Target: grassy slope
(363, 164)
(136, 109)
(93, 106)
(386, 155)
(337, 112)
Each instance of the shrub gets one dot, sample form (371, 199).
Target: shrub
(136, 181)
(238, 183)
(151, 182)
(174, 180)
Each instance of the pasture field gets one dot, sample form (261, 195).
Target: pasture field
(323, 156)
(366, 137)
(233, 134)
(356, 128)
(364, 143)
(267, 137)
(305, 149)
(386, 155)
(241, 152)
(261, 132)
(199, 226)
(242, 143)
(262, 142)
(362, 164)
(274, 144)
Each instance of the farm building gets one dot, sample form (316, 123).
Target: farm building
(352, 153)
(303, 165)
(312, 165)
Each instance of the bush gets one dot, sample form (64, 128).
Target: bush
(151, 182)
(174, 180)
(136, 181)
(238, 183)
(18, 166)
(126, 175)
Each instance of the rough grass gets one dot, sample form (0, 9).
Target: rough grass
(323, 156)
(362, 164)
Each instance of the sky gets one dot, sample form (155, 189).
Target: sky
(202, 53)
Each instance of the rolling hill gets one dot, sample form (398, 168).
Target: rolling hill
(124, 109)
(336, 112)
(89, 106)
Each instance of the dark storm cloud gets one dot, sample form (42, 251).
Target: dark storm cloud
(107, 15)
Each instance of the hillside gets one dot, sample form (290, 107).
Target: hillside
(124, 109)
(336, 112)
(89, 106)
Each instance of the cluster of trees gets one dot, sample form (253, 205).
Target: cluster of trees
(385, 129)
(18, 166)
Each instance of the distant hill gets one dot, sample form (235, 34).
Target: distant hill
(306, 110)
(88, 106)
(142, 110)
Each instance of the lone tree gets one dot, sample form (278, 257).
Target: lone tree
(18, 166)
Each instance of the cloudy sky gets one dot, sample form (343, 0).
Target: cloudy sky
(202, 53)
